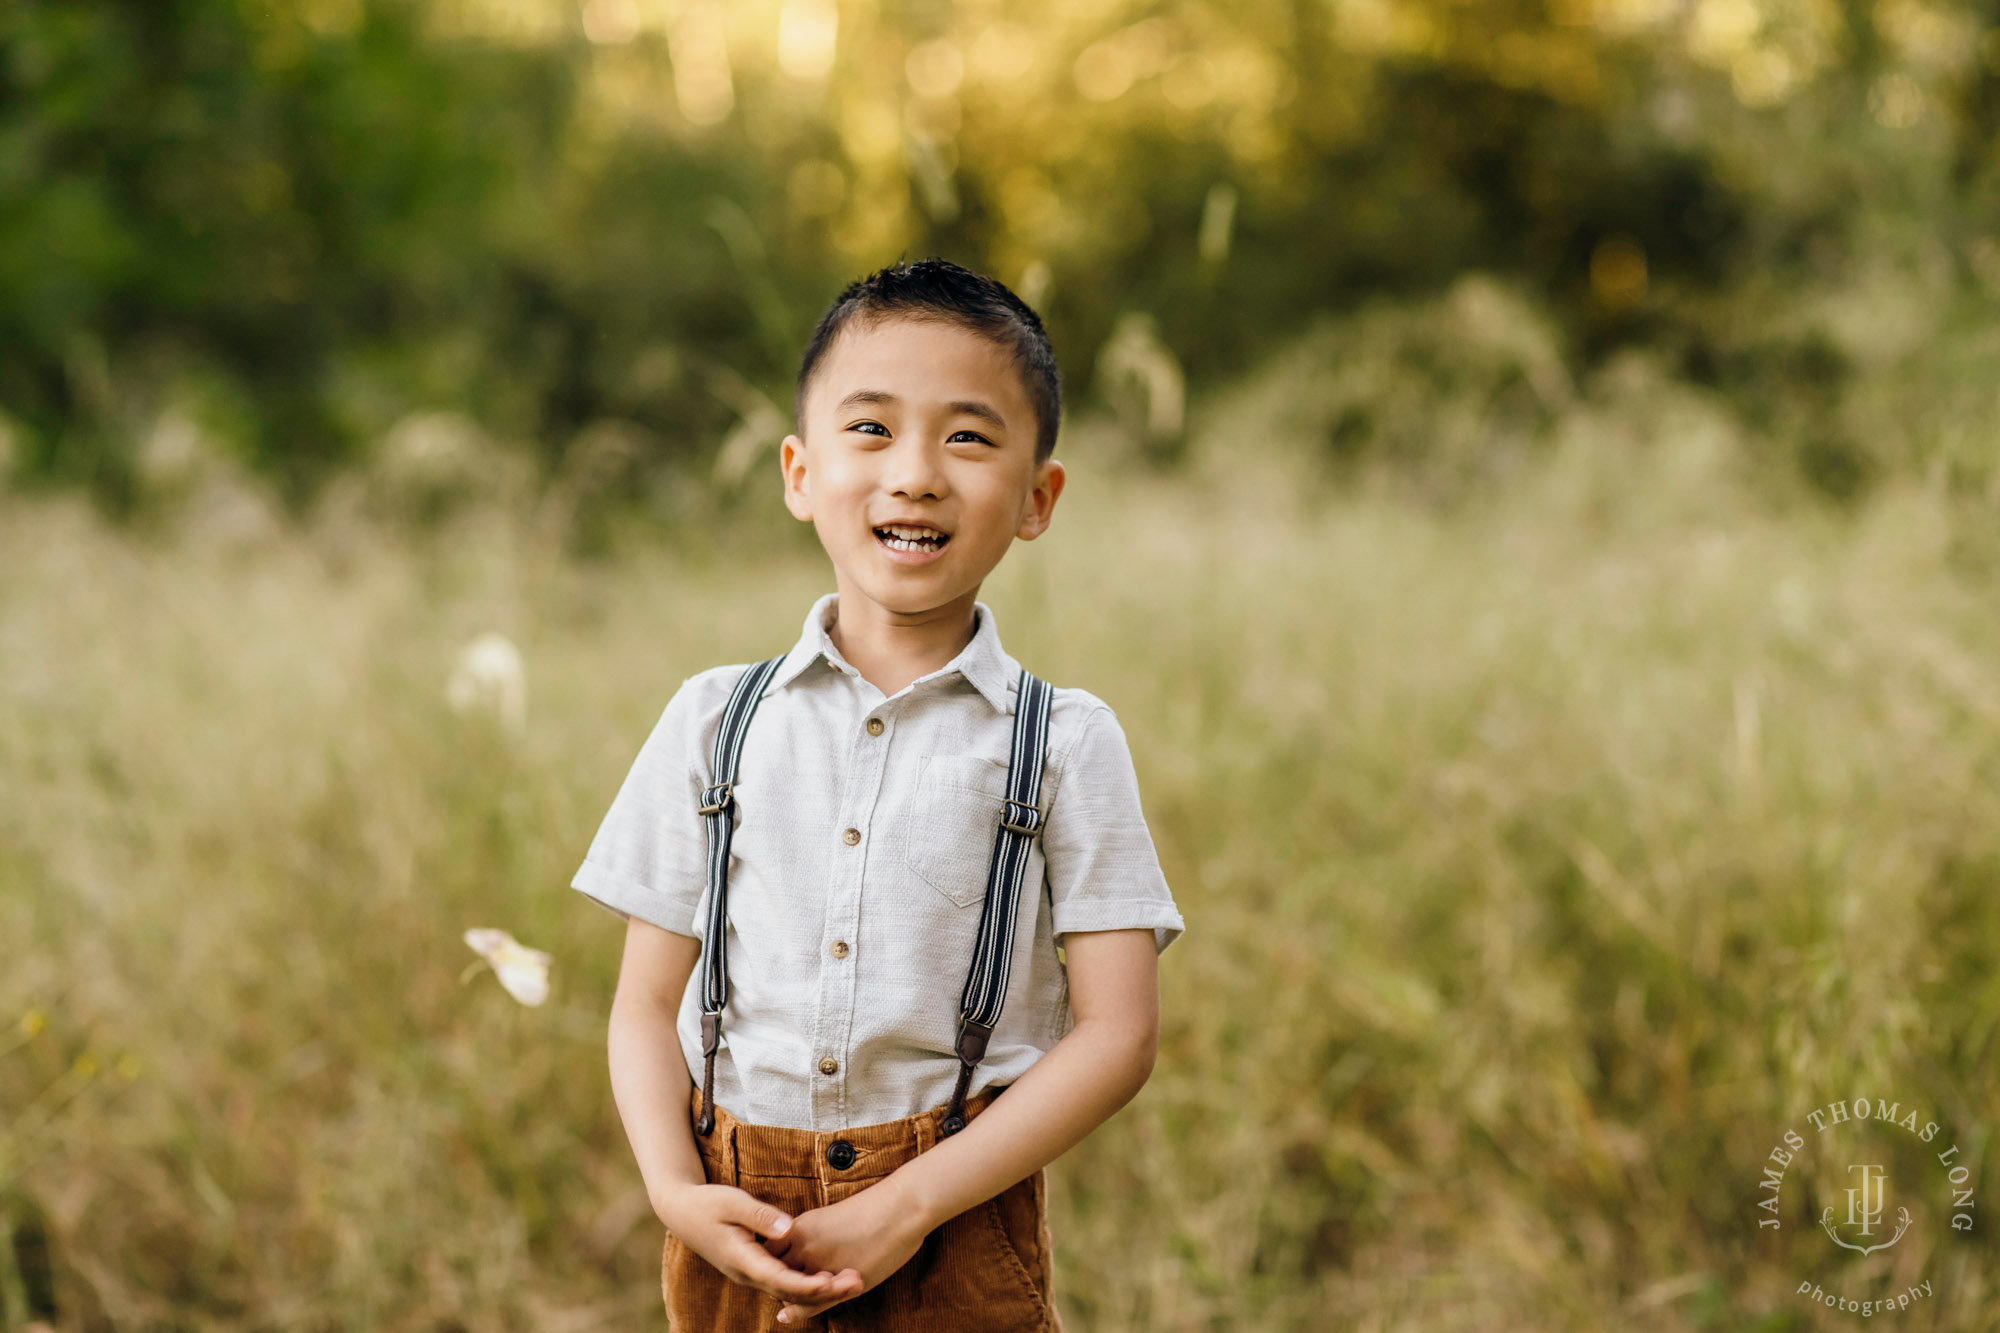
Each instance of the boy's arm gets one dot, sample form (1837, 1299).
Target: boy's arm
(649, 1076)
(1098, 1066)
(650, 1083)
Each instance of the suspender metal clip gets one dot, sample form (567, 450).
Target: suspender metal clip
(718, 798)
(1020, 817)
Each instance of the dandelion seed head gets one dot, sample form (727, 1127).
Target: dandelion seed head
(489, 677)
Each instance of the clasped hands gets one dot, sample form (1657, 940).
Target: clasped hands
(813, 1261)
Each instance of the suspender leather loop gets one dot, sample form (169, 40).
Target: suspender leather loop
(972, 1038)
(711, 1037)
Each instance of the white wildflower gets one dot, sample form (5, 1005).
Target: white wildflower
(490, 677)
(523, 971)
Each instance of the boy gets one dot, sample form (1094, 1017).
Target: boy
(804, 1158)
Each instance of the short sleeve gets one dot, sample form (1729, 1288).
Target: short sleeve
(649, 858)
(1103, 872)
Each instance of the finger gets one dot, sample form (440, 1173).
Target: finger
(762, 1218)
(852, 1283)
(794, 1296)
(761, 1269)
(797, 1312)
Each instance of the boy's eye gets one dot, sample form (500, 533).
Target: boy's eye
(877, 428)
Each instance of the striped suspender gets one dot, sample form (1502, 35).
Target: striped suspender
(716, 803)
(1019, 822)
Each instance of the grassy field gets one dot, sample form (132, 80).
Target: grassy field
(1544, 856)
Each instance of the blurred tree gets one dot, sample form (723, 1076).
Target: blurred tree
(299, 222)
(189, 181)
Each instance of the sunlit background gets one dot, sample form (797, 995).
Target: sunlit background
(1534, 503)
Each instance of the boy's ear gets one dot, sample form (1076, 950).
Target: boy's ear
(798, 491)
(1049, 479)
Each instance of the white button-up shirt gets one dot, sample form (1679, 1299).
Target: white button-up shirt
(857, 869)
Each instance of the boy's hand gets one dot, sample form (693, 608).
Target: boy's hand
(724, 1224)
(869, 1234)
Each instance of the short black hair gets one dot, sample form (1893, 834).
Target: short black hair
(941, 290)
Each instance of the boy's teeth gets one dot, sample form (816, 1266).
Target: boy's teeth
(911, 539)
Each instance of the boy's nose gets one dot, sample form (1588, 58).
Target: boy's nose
(914, 472)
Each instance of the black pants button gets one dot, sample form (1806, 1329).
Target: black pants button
(840, 1154)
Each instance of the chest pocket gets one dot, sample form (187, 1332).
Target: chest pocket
(952, 818)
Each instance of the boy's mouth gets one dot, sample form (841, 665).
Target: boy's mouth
(912, 539)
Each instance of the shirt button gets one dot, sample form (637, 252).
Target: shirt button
(829, 1066)
(874, 726)
(839, 949)
(851, 837)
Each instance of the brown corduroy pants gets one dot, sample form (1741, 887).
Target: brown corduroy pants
(989, 1268)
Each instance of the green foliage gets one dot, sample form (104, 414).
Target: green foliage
(328, 231)
(600, 232)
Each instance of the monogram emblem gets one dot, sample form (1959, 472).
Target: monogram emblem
(1865, 1204)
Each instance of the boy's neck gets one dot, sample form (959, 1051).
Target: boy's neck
(891, 648)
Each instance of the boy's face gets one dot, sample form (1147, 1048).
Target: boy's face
(917, 423)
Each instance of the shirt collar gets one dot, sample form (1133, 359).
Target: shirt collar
(983, 661)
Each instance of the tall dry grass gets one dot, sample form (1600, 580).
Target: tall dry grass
(1543, 856)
